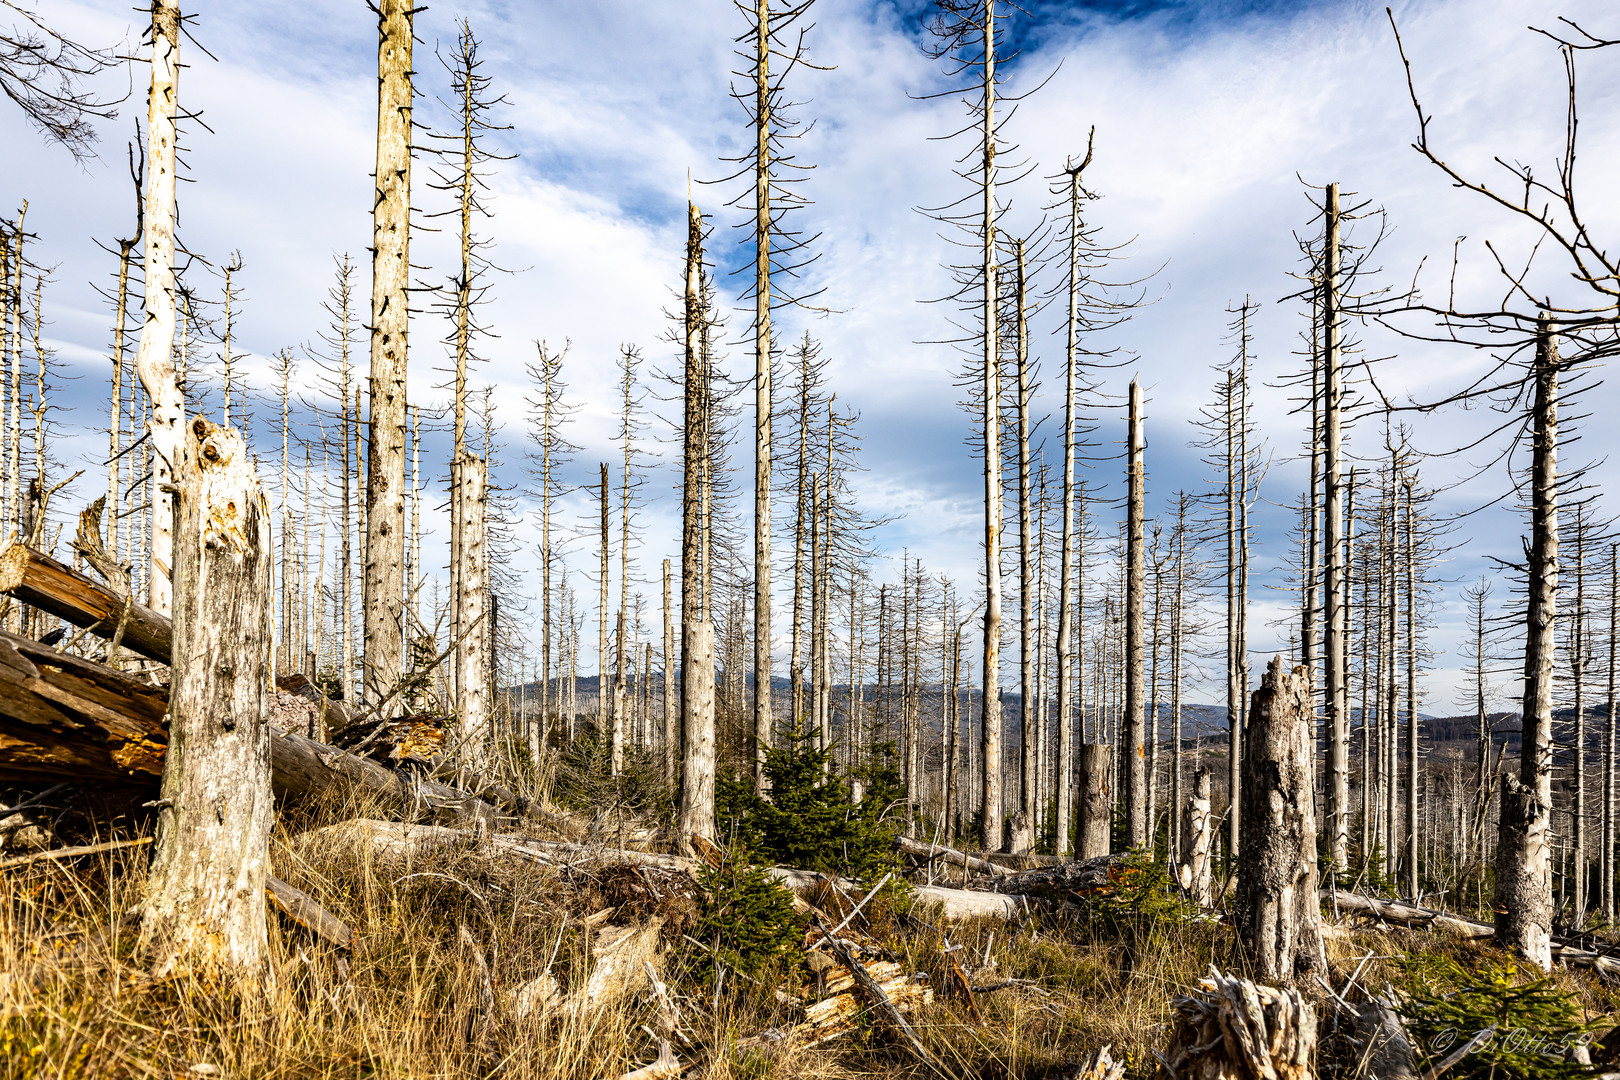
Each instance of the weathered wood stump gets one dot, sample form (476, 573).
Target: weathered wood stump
(1197, 832)
(1096, 799)
(1236, 1030)
(1278, 914)
(205, 903)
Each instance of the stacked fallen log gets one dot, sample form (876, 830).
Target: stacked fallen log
(40, 581)
(64, 717)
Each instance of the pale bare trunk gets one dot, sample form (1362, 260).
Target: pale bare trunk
(154, 361)
(469, 483)
(1335, 593)
(1523, 859)
(762, 389)
(383, 599)
(1136, 788)
(990, 671)
(1278, 913)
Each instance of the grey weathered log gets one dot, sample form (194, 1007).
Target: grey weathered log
(1059, 883)
(1278, 914)
(41, 582)
(307, 912)
(1383, 1047)
(1096, 800)
(205, 901)
(950, 856)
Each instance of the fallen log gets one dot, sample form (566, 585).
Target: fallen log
(1408, 914)
(950, 856)
(304, 910)
(877, 997)
(64, 717)
(1055, 884)
(72, 852)
(1411, 915)
(40, 581)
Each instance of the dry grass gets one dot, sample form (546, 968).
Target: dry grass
(411, 998)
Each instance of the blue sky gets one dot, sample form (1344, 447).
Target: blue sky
(1207, 116)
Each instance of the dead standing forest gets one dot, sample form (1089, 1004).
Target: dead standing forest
(287, 791)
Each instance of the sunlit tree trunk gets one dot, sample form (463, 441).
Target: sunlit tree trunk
(1523, 858)
(383, 599)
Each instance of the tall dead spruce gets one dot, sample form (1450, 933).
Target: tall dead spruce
(154, 360)
(1524, 323)
(697, 631)
(966, 37)
(778, 253)
(383, 586)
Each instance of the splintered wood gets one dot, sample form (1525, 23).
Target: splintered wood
(1237, 1030)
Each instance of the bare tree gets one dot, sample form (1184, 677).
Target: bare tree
(43, 73)
(383, 601)
(154, 360)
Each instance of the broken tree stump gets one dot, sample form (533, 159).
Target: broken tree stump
(205, 904)
(1278, 915)
(1197, 829)
(1096, 799)
(1237, 1030)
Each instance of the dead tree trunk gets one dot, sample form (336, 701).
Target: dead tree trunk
(697, 633)
(1610, 761)
(1096, 799)
(1136, 785)
(383, 588)
(205, 905)
(1197, 834)
(697, 729)
(1523, 856)
(1334, 591)
(471, 652)
(1278, 913)
(990, 670)
(154, 361)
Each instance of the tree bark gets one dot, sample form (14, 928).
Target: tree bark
(383, 598)
(154, 361)
(205, 904)
(697, 730)
(763, 117)
(990, 670)
(1523, 856)
(1096, 800)
(1278, 914)
(41, 582)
